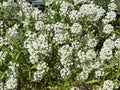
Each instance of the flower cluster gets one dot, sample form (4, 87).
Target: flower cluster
(72, 40)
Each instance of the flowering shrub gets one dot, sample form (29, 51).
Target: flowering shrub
(72, 45)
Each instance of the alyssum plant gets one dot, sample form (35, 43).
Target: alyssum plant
(71, 45)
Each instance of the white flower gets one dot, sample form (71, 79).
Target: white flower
(105, 54)
(61, 38)
(108, 85)
(74, 88)
(39, 25)
(1, 86)
(64, 8)
(65, 53)
(99, 73)
(11, 83)
(38, 76)
(60, 35)
(90, 54)
(108, 28)
(76, 45)
(109, 43)
(92, 43)
(110, 16)
(117, 43)
(20, 13)
(12, 32)
(42, 66)
(81, 56)
(74, 15)
(65, 73)
(92, 11)
(1, 41)
(112, 6)
(76, 28)
(48, 2)
(82, 76)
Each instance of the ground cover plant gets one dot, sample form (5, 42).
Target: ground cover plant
(71, 45)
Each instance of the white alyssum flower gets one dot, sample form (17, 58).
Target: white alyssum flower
(38, 75)
(60, 38)
(33, 57)
(76, 28)
(92, 11)
(108, 85)
(36, 45)
(49, 2)
(42, 66)
(1, 86)
(20, 13)
(12, 32)
(5, 4)
(112, 6)
(37, 14)
(60, 34)
(11, 83)
(108, 28)
(64, 8)
(83, 75)
(1, 41)
(109, 43)
(99, 73)
(39, 25)
(65, 53)
(74, 15)
(76, 45)
(106, 53)
(110, 16)
(90, 54)
(74, 88)
(117, 43)
(92, 42)
(12, 71)
(96, 64)
(81, 55)
(65, 73)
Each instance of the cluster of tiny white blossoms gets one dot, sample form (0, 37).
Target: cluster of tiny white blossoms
(74, 88)
(3, 41)
(108, 28)
(65, 53)
(36, 45)
(41, 69)
(39, 25)
(107, 49)
(110, 15)
(12, 75)
(77, 36)
(60, 34)
(2, 56)
(12, 32)
(64, 8)
(108, 85)
(76, 28)
(92, 11)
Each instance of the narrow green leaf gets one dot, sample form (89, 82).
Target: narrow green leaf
(92, 81)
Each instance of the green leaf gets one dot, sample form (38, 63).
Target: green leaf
(109, 66)
(2, 76)
(92, 81)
